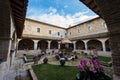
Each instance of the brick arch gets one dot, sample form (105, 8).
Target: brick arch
(26, 44)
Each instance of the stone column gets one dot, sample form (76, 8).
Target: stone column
(85, 42)
(103, 44)
(49, 44)
(58, 45)
(35, 44)
(74, 44)
(111, 14)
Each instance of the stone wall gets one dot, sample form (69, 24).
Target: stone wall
(31, 30)
(94, 26)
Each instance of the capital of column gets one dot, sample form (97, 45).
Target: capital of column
(36, 41)
(74, 42)
(59, 42)
(18, 40)
(85, 41)
(103, 40)
(48, 41)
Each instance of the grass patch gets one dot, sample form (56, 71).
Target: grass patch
(29, 56)
(105, 59)
(55, 72)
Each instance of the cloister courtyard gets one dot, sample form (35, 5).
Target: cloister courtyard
(68, 42)
(52, 69)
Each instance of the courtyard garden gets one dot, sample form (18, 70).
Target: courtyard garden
(29, 57)
(53, 70)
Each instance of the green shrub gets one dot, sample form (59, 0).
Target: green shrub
(29, 56)
(105, 59)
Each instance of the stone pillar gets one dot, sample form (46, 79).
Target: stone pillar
(103, 43)
(85, 42)
(103, 46)
(49, 44)
(35, 44)
(111, 13)
(74, 44)
(58, 45)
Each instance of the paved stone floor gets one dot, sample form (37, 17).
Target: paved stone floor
(18, 71)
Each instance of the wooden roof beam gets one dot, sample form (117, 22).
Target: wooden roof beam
(17, 2)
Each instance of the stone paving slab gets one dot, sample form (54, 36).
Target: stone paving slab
(18, 71)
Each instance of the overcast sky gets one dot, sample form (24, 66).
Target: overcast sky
(63, 13)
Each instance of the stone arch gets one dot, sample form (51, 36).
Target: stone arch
(80, 45)
(94, 44)
(26, 44)
(71, 46)
(54, 44)
(42, 44)
(107, 45)
(62, 46)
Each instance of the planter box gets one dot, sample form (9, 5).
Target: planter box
(32, 74)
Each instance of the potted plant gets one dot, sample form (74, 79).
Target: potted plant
(91, 70)
(45, 60)
(62, 61)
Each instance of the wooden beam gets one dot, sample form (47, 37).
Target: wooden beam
(18, 12)
(18, 16)
(17, 2)
(14, 6)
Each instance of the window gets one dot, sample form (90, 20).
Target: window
(104, 25)
(90, 28)
(78, 30)
(50, 32)
(38, 30)
(58, 33)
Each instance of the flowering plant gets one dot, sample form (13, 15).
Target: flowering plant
(91, 70)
